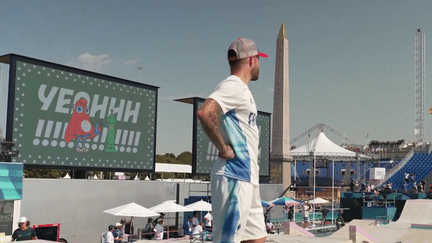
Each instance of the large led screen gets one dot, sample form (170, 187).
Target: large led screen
(60, 116)
(206, 153)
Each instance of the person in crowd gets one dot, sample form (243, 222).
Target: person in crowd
(148, 230)
(291, 213)
(198, 230)
(159, 230)
(117, 233)
(24, 232)
(357, 186)
(127, 226)
(339, 220)
(405, 186)
(156, 221)
(363, 186)
(195, 220)
(351, 185)
(108, 236)
(306, 209)
(188, 227)
(270, 228)
(208, 221)
(324, 213)
(407, 175)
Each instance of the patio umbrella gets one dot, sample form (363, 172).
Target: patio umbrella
(266, 204)
(131, 209)
(285, 201)
(318, 200)
(200, 206)
(169, 207)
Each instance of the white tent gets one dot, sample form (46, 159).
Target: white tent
(322, 147)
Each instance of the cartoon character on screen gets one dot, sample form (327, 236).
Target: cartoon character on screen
(80, 126)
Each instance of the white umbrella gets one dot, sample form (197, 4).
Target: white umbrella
(132, 209)
(318, 200)
(200, 206)
(170, 207)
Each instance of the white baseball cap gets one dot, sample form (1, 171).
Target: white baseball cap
(118, 224)
(22, 220)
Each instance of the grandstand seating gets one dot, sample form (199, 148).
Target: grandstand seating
(420, 164)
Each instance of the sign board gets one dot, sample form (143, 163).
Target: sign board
(66, 117)
(204, 153)
(11, 181)
(47, 231)
(377, 173)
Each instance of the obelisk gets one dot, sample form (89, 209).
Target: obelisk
(280, 160)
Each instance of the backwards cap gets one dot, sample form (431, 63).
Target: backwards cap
(245, 48)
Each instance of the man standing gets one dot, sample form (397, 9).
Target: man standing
(156, 221)
(117, 233)
(24, 232)
(159, 230)
(306, 209)
(108, 237)
(228, 117)
(208, 218)
(187, 226)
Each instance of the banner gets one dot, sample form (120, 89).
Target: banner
(60, 116)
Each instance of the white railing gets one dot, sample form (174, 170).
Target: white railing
(401, 164)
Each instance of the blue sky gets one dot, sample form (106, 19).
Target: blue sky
(351, 62)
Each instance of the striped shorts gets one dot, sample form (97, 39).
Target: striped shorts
(237, 211)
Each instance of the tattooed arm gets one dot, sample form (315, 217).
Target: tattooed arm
(209, 114)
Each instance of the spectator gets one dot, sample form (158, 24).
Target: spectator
(351, 185)
(291, 213)
(324, 213)
(188, 227)
(413, 175)
(407, 175)
(108, 237)
(208, 218)
(405, 186)
(270, 227)
(127, 226)
(161, 216)
(195, 220)
(159, 230)
(148, 230)
(24, 232)
(306, 209)
(117, 233)
(198, 230)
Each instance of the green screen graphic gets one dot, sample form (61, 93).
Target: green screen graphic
(207, 153)
(65, 118)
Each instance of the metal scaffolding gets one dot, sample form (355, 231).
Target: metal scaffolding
(420, 129)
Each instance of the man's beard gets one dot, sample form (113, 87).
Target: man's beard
(255, 75)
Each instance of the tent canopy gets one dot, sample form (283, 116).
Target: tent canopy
(322, 147)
